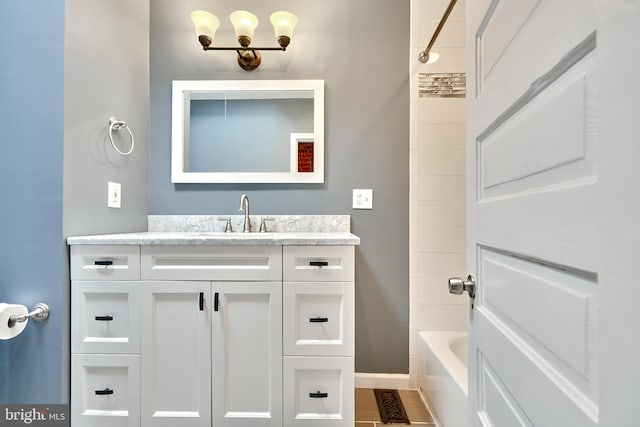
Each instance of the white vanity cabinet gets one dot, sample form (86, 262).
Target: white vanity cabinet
(247, 354)
(318, 331)
(242, 300)
(105, 336)
(176, 352)
(212, 335)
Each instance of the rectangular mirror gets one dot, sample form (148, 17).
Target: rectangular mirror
(247, 131)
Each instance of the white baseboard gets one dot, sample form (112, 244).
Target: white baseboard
(367, 380)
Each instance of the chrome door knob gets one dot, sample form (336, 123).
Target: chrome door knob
(457, 286)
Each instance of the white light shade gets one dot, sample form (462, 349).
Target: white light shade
(244, 23)
(283, 23)
(206, 23)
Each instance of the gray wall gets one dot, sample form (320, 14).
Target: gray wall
(106, 74)
(359, 47)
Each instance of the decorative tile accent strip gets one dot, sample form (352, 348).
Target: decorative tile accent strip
(442, 85)
(275, 223)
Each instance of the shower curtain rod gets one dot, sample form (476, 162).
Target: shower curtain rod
(424, 55)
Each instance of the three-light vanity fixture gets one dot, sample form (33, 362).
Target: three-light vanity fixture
(244, 24)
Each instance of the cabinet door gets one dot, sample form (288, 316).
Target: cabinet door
(318, 392)
(205, 262)
(105, 317)
(106, 390)
(318, 319)
(247, 354)
(176, 354)
(318, 263)
(105, 262)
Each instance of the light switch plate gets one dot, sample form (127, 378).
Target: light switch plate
(362, 198)
(114, 195)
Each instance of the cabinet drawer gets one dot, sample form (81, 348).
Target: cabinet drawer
(106, 390)
(105, 317)
(105, 262)
(318, 319)
(244, 263)
(318, 263)
(318, 391)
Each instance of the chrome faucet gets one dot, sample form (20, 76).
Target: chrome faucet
(244, 206)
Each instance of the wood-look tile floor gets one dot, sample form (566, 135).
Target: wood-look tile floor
(367, 410)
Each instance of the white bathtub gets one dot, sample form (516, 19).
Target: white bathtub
(442, 375)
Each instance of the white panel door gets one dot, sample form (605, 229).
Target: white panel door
(247, 354)
(553, 109)
(176, 354)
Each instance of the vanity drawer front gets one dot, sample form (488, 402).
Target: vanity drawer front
(318, 391)
(106, 390)
(105, 317)
(318, 318)
(105, 262)
(318, 263)
(229, 263)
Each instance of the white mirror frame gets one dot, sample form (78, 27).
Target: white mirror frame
(181, 96)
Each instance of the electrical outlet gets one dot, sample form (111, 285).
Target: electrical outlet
(114, 195)
(362, 199)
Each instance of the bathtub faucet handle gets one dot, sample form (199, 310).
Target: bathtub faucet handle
(457, 286)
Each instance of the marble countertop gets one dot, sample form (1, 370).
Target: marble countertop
(218, 238)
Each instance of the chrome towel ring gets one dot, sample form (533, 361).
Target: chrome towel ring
(118, 125)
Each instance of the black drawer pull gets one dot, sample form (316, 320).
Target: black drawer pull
(103, 262)
(318, 263)
(319, 319)
(106, 318)
(104, 392)
(201, 301)
(318, 395)
(216, 302)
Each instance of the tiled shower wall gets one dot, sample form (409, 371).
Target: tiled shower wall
(437, 179)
